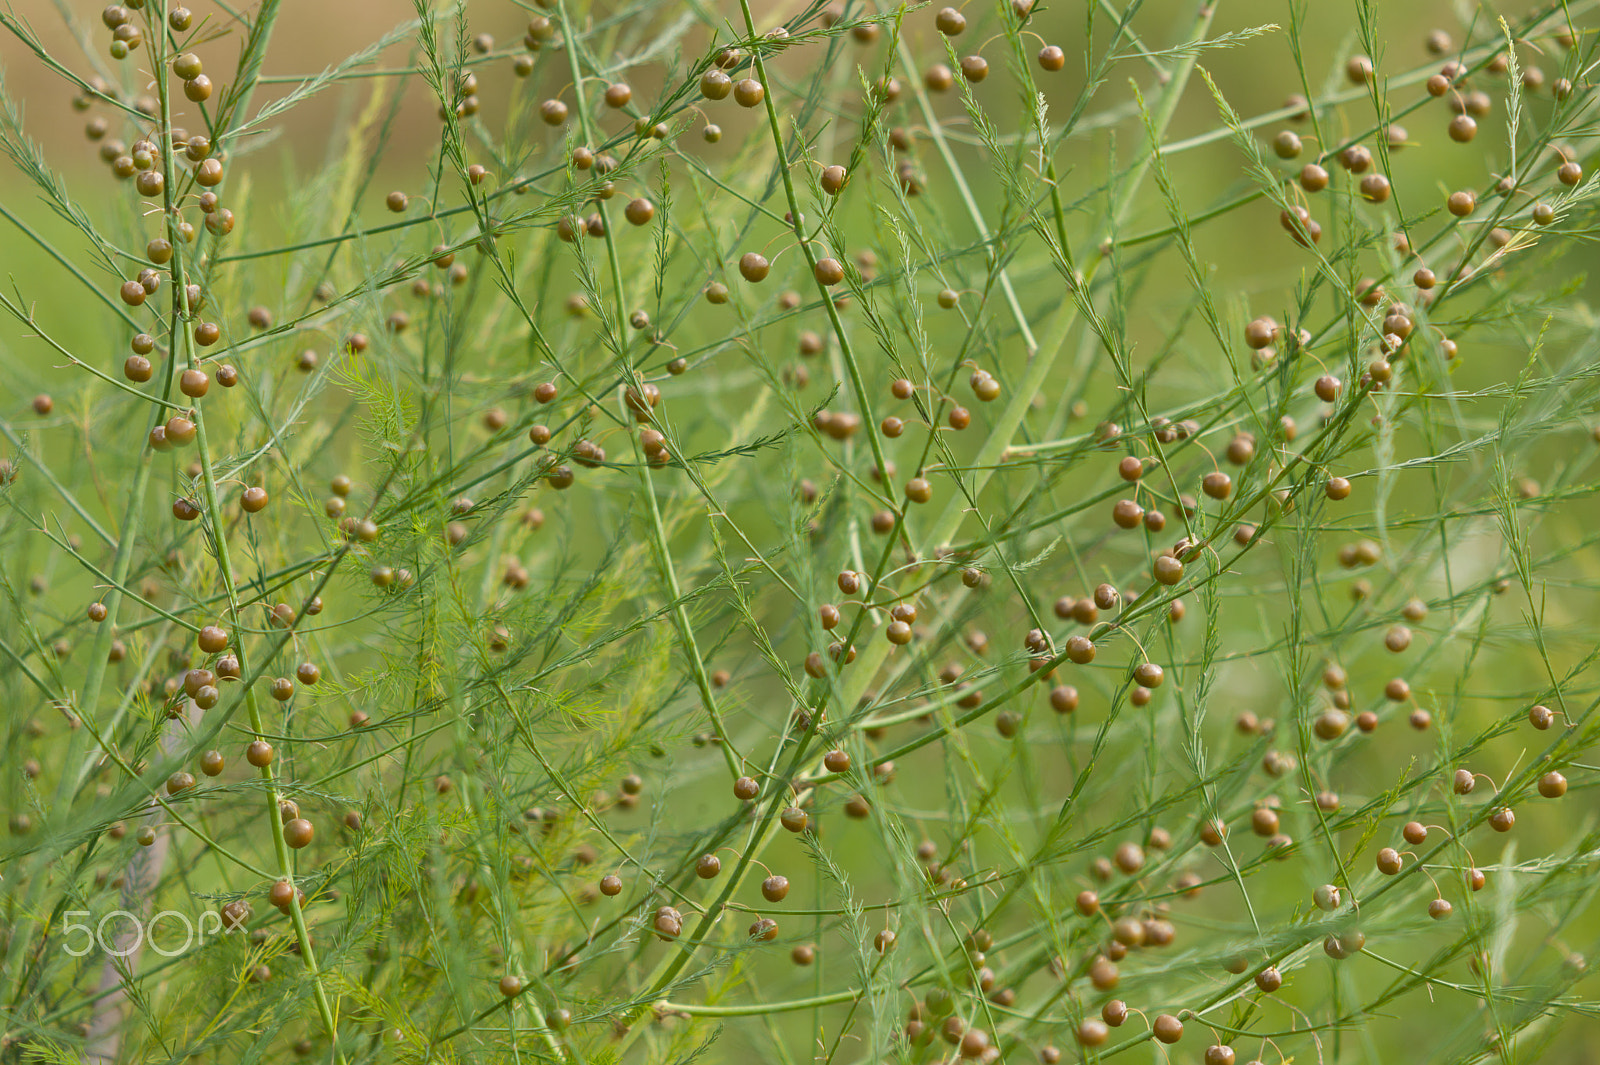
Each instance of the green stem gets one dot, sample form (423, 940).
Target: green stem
(936, 130)
(846, 351)
(72, 267)
(760, 1009)
(50, 478)
(680, 613)
(994, 448)
(121, 565)
(183, 336)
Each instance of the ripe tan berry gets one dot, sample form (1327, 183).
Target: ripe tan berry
(298, 833)
(748, 92)
(1313, 178)
(753, 267)
(1217, 485)
(1357, 159)
(639, 211)
(1374, 188)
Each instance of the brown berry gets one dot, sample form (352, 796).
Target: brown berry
(1313, 178)
(298, 833)
(753, 267)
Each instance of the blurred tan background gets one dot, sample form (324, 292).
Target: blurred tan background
(313, 34)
